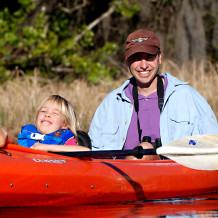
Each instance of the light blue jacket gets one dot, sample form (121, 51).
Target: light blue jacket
(185, 113)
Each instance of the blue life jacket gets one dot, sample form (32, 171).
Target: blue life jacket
(29, 136)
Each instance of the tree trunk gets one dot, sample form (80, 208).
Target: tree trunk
(190, 39)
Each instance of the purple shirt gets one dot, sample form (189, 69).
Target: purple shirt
(149, 117)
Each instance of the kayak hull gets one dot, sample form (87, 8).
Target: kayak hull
(35, 178)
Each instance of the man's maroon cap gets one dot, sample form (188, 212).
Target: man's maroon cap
(142, 41)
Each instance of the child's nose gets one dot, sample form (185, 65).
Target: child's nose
(47, 114)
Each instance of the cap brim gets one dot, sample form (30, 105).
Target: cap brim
(145, 49)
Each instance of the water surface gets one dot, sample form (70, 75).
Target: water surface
(195, 207)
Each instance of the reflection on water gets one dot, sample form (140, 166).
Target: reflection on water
(199, 207)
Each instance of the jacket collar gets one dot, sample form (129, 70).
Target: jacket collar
(173, 83)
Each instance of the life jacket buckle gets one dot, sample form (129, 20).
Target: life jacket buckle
(37, 136)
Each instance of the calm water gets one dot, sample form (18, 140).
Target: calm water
(199, 207)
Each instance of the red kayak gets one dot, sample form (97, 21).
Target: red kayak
(36, 178)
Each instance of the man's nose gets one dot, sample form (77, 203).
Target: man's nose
(143, 64)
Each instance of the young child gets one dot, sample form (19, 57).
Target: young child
(55, 126)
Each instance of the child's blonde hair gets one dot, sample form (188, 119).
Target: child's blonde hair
(65, 108)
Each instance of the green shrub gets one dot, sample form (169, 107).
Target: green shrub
(47, 43)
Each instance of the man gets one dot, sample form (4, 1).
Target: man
(149, 104)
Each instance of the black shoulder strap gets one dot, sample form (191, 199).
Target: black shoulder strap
(136, 104)
(160, 92)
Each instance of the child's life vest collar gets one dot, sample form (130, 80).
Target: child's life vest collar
(29, 136)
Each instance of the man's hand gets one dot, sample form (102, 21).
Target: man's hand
(145, 145)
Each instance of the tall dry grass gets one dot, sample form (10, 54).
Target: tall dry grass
(19, 98)
(201, 76)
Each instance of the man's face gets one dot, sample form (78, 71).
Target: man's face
(144, 67)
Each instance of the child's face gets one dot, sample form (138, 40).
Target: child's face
(49, 119)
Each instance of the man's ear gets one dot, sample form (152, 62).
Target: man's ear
(160, 56)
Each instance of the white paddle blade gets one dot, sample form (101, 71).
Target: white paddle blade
(198, 152)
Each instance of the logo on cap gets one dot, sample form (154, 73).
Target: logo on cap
(140, 39)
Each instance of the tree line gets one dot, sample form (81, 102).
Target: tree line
(68, 39)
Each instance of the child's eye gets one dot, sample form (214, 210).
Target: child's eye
(56, 113)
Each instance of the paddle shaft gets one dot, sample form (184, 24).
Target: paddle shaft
(198, 152)
(137, 152)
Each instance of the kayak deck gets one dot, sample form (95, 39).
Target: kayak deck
(36, 178)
